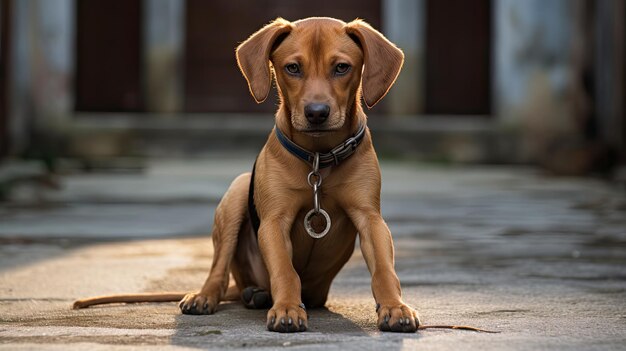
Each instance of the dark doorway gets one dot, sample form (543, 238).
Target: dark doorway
(108, 62)
(215, 28)
(458, 47)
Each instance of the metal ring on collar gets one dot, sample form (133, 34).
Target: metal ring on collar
(318, 181)
(316, 162)
(309, 228)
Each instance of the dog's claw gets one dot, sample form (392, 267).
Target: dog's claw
(397, 318)
(196, 303)
(286, 318)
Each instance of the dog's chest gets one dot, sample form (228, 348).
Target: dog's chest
(313, 256)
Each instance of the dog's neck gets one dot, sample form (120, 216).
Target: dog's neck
(325, 142)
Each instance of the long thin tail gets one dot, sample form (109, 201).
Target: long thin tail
(460, 327)
(129, 298)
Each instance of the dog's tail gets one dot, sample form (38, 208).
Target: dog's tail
(129, 298)
(460, 327)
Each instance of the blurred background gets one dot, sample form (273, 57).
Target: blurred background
(485, 81)
(502, 148)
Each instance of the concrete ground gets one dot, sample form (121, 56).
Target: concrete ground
(540, 259)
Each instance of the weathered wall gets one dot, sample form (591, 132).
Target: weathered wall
(163, 50)
(542, 53)
(539, 57)
(403, 23)
(41, 79)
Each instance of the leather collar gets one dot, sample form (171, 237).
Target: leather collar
(333, 157)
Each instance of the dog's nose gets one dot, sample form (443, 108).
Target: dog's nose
(316, 113)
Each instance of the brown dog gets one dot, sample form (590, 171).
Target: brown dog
(322, 68)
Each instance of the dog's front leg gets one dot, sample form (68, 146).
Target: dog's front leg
(287, 314)
(377, 247)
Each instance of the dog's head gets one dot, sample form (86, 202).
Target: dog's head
(319, 65)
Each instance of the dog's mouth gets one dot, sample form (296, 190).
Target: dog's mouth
(317, 132)
(333, 125)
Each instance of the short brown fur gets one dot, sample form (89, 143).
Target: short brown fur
(285, 261)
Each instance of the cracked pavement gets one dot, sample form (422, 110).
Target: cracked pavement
(541, 259)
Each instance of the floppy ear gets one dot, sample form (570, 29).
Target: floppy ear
(253, 57)
(382, 61)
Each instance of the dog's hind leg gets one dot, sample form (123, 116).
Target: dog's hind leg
(256, 298)
(232, 293)
(229, 217)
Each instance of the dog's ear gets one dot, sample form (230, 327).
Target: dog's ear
(382, 61)
(253, 57)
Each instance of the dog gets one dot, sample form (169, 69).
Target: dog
(286, 229)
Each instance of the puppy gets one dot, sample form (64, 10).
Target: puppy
(285, 230)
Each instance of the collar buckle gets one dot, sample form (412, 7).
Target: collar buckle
(351, 142)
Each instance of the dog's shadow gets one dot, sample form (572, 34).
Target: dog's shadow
(325, 321)
(234, 326)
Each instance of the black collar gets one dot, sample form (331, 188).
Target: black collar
(333, 157)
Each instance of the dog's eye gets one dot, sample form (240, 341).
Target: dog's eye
(293, 69)
(342, 68)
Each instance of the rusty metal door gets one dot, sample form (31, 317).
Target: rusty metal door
(458, 50)
(108, 62)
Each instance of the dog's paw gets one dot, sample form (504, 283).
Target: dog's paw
(256, 298)
(397, 318)
(195, 303)
(287, 318)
